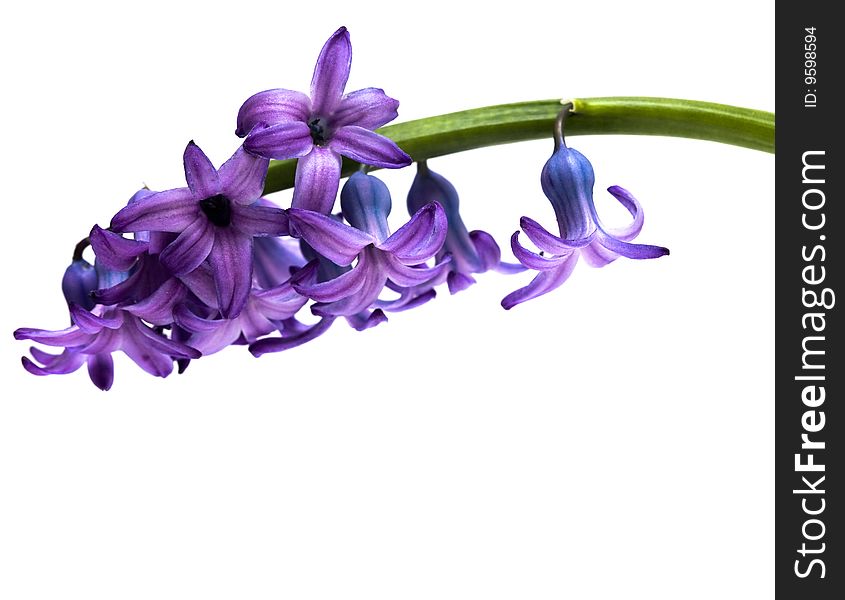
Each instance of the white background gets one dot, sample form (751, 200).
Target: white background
(611, 439)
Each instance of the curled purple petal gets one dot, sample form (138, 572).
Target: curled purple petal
(409, 276)
(62, 364)
(369, 148)
(115, 251)
(231, 265)
(200, 173)
(331, 73)
(420, 238)
(68, 338)
(543, 283)
(158, 308)
(535, 261)
(192, 247)
(242, 177)
(626, 199)
(278, 344)
(336, 241)
(340, 287)
(271, 107)
(172, 211)
(628, 250)
(281, 141)
(547, 242)
(91, 323)
(317, 179)
(369, 108)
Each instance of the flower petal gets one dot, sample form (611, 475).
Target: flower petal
(368, 148)
(543, 283)
(373, 278)
(242, 177)
(369, 108)
(550, 243)
(201, 283)
(408, 276)
(91, 323)
(280, 141)
(458, 282)
(158, 343)
(172, 210)
(280, 302)
(535, 261)
(278, 344)
(101, 370)
(597, 255)
(158, 308)
(366, 319)
(260, 220)
(187, 251)
(486, 248)
(115, 251)
(190, 321)
(69, 338)
(337, 241)
(231, 265)
(67, 362)
(628, 250)
(420, 238)
(317, 180)
(331, 73)
(272, 107)
(340, 287)
(199, 172)
(629, 232)
(135, 346)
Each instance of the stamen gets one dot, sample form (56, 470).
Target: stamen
(218, 209)
(318, 131)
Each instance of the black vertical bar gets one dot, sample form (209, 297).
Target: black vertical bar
(810, 369)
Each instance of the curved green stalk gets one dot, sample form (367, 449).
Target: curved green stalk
(493, 125)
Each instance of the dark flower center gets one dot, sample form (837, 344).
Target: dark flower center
(218, 209)
(319, 131)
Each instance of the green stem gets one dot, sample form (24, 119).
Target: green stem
(506, 123)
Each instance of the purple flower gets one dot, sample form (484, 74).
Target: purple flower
(266, 311)
(216, 218)
(470, 251)
(319, 130)
(92, 339)
(567, 180)
(382, 257)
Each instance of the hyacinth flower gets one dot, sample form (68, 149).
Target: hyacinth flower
(216, 216)
(381, 257)
(470, 251)
(266, 311)
(567, 180)
(95, 334)
(283, 124)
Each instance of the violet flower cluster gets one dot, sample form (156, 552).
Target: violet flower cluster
(189, 271)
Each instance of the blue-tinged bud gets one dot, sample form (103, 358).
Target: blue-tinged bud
(428, 187)
(78, 282)
(365, 202)
(567, 181)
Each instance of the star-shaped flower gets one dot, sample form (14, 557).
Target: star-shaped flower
(319, 130)
(216, 218)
